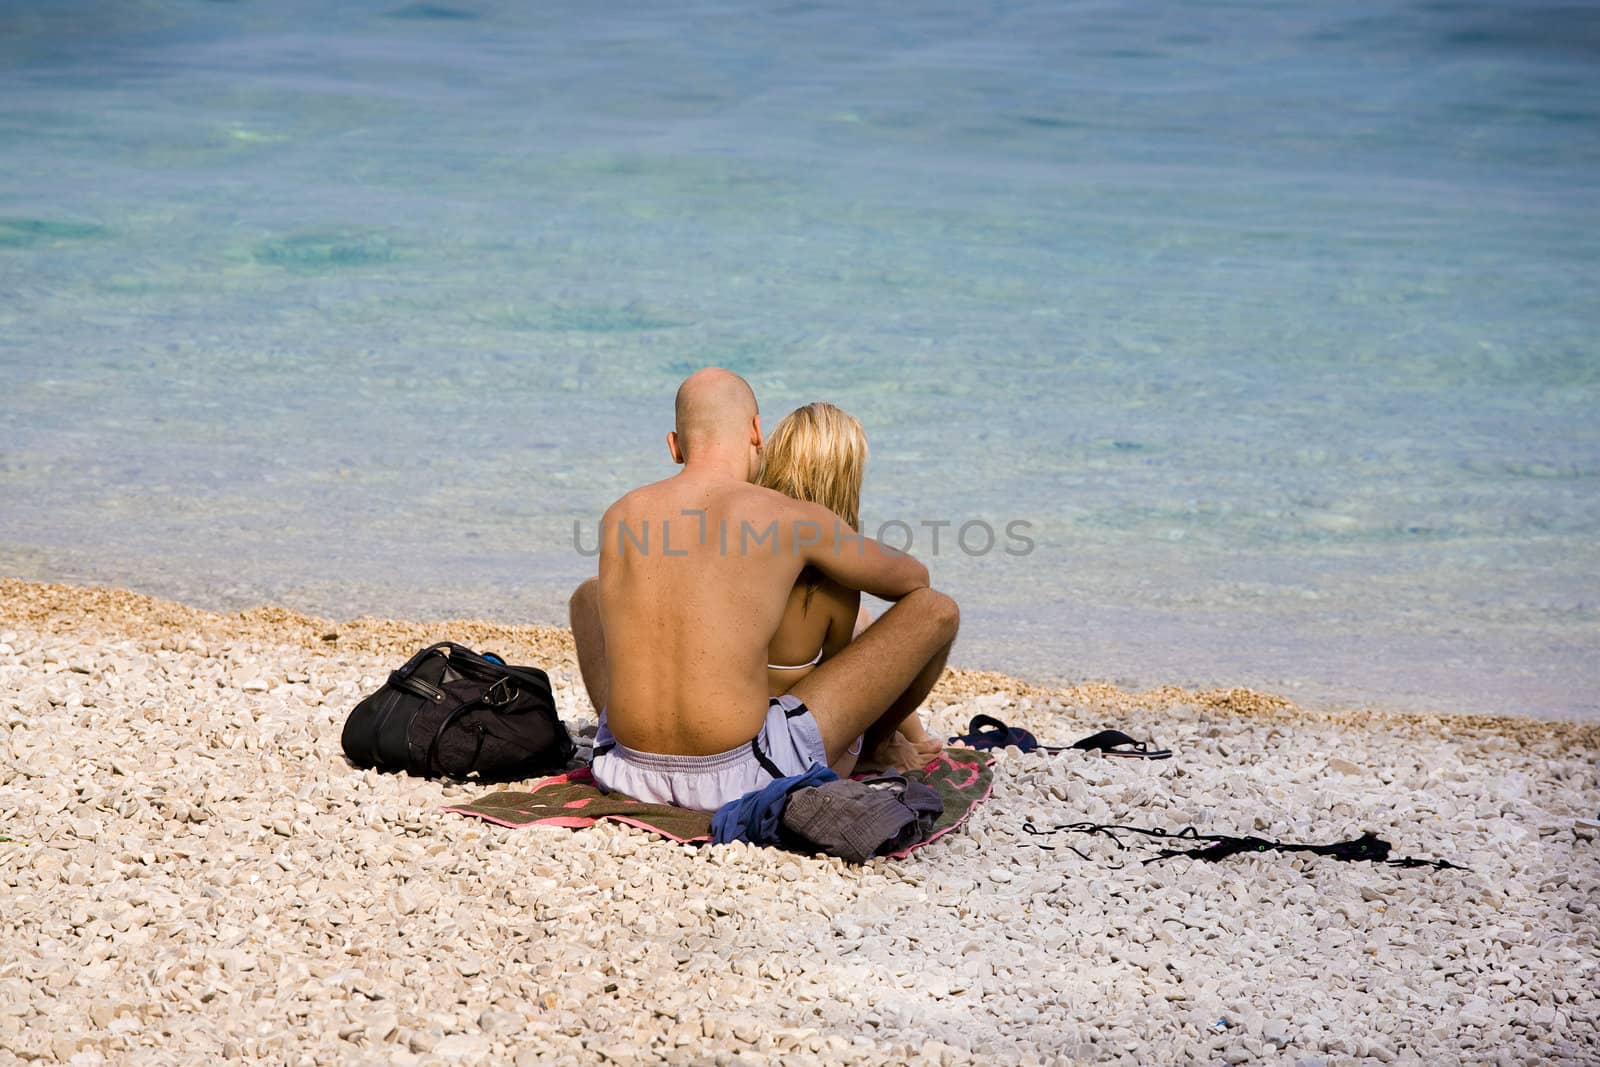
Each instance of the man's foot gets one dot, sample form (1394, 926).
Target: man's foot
(912, 730)
(898, 755)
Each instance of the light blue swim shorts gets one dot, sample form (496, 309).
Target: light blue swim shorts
(788, 744)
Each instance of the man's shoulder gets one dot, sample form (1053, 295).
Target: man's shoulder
(746, 501)
(645, 496)
(748, 493)
(730, 500)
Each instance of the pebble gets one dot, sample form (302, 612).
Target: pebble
(498, 1022)
(463, 1047)
(186, 831)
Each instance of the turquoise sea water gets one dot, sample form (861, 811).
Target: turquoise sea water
(1277, 321)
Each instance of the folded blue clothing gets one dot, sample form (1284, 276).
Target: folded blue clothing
(756, 817)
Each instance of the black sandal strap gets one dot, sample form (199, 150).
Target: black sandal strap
(1108, 741)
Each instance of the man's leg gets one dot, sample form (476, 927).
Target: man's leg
(911, 728)
(883, 675)
(903, 712)
(583, 613)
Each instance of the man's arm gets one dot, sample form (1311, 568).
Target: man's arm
(853, 560)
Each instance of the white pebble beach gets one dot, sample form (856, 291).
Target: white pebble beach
(193, 872)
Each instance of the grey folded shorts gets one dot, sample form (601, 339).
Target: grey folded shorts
(789, 743)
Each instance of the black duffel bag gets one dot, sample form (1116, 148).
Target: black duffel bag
(451, 713)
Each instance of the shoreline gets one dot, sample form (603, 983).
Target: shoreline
(1121, 641)
(65, 607)
(192, 871)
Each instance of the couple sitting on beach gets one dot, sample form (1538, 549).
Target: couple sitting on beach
(720, 641)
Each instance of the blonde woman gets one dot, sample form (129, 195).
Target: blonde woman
(818, 454)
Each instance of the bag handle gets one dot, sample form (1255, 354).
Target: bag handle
(462, 652)
(454, 649)
(405, 670)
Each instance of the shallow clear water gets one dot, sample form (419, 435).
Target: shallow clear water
(1276, 321)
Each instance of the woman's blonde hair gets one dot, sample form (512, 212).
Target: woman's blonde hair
(818, 454)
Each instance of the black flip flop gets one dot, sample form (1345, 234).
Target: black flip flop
(1117, 743)
(986, 731)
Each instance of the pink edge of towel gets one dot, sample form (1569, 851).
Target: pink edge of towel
(579, 776)
(486, 818)
(575, 822)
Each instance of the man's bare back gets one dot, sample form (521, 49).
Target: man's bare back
(688, 616)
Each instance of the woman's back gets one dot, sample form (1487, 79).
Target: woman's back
(818, 621)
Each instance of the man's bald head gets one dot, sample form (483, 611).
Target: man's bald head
(714, 407)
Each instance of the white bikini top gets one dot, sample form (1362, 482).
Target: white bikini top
(796, 666)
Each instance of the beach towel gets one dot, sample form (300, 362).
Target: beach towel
(961, 777)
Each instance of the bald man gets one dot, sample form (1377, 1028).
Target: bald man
(694, 574)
